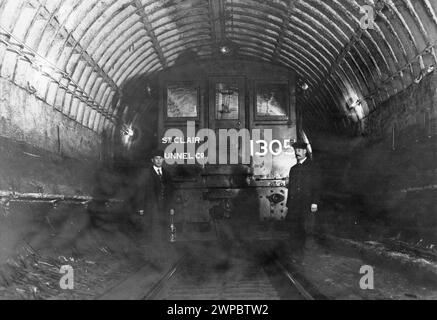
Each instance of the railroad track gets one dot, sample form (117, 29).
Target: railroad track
(160, 285)
(234, 275)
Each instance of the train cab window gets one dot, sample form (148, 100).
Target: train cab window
(271, 100)
(227, 103)
(182, 101)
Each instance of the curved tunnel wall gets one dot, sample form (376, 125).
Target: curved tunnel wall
(76, 55)
(383, 184)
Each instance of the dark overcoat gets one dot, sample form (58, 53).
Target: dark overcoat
(303, 188)
(154, 194)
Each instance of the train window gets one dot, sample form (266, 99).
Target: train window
(271, 100)
(227, 100)
(182, 101)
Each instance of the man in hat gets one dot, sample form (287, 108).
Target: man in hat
(158, 197)
(303, 196)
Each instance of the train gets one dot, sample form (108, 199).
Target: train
(227, 128)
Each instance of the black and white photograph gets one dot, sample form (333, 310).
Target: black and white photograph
(218, 158)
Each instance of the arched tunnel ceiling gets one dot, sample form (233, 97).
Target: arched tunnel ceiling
(77, 54)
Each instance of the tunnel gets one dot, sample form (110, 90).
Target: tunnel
(91, 91)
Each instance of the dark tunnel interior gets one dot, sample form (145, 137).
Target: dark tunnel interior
(89, 88)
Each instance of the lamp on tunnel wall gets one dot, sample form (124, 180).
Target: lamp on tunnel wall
(149, 89)
(356, 112)
(129, 134)
(302, 84)
(356, 108)
(227, 48)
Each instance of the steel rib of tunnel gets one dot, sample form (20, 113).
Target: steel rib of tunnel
(95, 46)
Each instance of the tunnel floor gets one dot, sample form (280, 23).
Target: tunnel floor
(206, 271)
(235, 274)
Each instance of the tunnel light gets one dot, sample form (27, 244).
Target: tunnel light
(355, 104)
(130, 132)
(149, 89)
(225, 50)
(356, 109)
(359, 110)
(128, 135)
(227, 47)
(305, 86)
